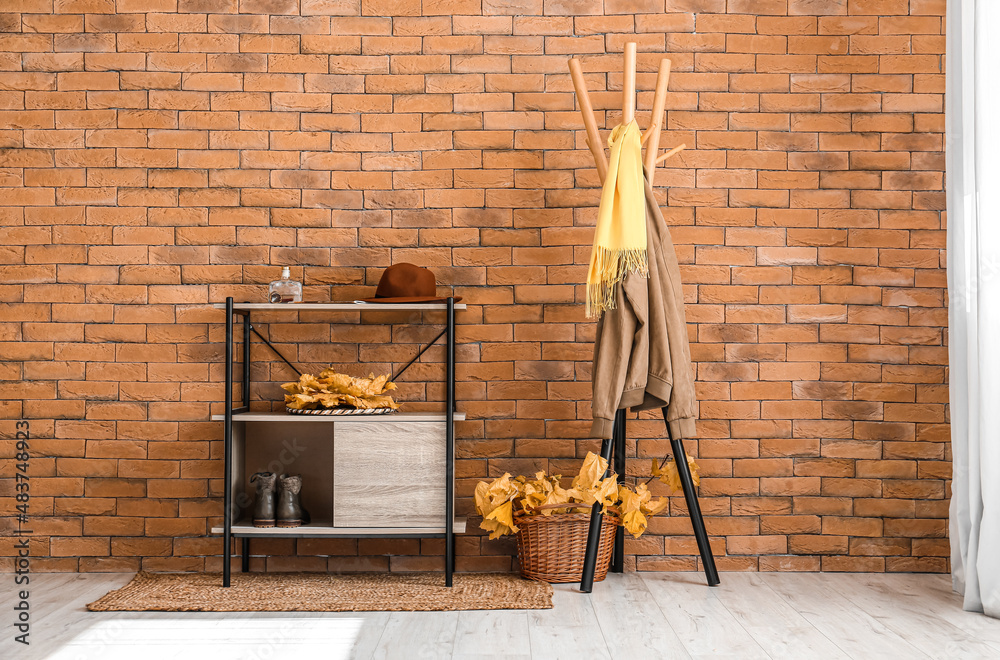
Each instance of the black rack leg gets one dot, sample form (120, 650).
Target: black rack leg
(246, 362)
(694, 509)
(449, 507)
(618, 452)
(245, 554)
(594, 534)
(227, 513)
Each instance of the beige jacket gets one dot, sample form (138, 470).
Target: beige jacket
(641, 355)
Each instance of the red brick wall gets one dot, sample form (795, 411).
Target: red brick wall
(159, 155)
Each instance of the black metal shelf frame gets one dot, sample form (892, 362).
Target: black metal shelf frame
(228, 535)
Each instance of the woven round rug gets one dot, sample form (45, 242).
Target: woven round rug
(323, 592)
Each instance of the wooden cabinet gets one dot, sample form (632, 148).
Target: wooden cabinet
(369, 476)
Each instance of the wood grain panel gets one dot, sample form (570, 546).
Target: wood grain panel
(389, 474)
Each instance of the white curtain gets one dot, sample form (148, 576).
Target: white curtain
(973, 185)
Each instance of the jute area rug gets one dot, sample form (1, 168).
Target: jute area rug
(322, 592)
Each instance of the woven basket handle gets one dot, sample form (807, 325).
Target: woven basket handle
(566, 505)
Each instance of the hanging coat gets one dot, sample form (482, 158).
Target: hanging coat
(642, 359)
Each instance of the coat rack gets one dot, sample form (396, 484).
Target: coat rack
(651, 158)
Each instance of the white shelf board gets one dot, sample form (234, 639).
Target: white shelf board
(244, 528)
(341, 306)
(286, 417)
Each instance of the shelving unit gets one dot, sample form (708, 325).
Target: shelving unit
(341, 457)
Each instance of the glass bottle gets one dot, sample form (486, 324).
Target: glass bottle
(285, 290)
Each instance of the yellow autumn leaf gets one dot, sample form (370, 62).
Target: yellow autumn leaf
(607, 491)
(533, 498)
(672, 478)
(504, 515)
(634, 522)
(503, 489)
(636, 505)
(309, 382)
(559, 495)
(496, 529)
(582, 495)
(591, 472)
(490, 495)
(538, 488)
(481, 497)
(695, 470)
(627, 499)
(494, 502)
(655, 507)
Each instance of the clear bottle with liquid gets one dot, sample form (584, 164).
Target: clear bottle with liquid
(285, 290)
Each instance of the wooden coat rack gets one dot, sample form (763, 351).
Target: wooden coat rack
(651, 158)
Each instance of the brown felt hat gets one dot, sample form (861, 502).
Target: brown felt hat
(406, 283)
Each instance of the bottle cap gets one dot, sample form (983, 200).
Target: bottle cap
(285, 271)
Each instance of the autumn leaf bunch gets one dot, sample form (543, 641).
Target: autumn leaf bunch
(499, 501)
(334, 390)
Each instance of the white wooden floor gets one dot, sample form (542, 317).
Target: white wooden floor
(633, 616)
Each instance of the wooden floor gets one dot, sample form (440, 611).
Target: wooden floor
(647, 615)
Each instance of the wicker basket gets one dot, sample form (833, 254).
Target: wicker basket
(551, 548)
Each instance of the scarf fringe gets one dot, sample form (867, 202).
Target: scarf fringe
(611, 267)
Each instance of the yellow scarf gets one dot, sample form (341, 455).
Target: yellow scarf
(620, 237)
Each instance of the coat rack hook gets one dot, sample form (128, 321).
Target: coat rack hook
(628, 86)
(679, 148)
(587, 110)
(656, 120)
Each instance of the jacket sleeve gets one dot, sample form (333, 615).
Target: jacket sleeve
(617, 332)
(682, 407)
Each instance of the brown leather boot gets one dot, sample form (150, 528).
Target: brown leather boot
(288, 508)
(263, 510)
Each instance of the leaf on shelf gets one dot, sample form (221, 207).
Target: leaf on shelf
(332, 389)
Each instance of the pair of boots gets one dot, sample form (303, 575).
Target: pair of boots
(285, 508)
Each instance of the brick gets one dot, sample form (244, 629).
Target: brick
(76, 546)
